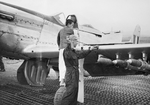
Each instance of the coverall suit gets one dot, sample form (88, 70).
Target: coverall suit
(72, 75)
(62, 43)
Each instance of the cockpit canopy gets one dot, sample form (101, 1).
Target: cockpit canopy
(78, 20)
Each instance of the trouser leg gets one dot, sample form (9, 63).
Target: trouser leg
(70, 96)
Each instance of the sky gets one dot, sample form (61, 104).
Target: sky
(104, 15)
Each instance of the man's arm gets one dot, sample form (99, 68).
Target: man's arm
(82, 54)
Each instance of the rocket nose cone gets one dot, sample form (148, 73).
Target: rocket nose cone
(115, 61)
(129, 61)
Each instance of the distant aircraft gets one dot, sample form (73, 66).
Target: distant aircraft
(28, 35)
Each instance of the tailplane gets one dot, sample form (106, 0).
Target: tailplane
(136, 35)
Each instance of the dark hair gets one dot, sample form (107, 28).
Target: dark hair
(68, 21)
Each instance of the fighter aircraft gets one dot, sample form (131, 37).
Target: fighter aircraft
(31, 36)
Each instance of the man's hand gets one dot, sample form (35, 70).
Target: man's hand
(62, 83)
(94, 48)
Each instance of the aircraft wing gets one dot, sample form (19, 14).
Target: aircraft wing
(123, 50)
(41, 51)
(118, 60)
(109, 51)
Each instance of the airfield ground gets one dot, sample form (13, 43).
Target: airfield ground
(106, 90)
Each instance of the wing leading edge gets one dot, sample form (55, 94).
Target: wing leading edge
(41, 51)
(123, 50)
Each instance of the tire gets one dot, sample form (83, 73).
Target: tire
(58, 95)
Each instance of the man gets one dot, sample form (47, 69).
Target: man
(62, 43)
(71, 57)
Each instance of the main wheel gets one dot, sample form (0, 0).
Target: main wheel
(35, 72)
(59, 95)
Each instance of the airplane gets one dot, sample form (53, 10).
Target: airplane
(32, 36)
(28, 35)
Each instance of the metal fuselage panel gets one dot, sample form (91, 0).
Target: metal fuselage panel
(16, 34)
(25, 29)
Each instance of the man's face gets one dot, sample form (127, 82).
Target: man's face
(71, 25)
(74, 42)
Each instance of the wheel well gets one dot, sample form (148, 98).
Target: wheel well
(55, 68)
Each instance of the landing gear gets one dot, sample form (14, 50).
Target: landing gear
(33, 72)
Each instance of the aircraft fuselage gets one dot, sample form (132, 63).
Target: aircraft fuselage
(20, 28)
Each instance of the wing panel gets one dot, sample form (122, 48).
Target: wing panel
(41, 51)
(123, 50)
(135, 49)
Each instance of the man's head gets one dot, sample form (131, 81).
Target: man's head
(73, 40)
(69, 23)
